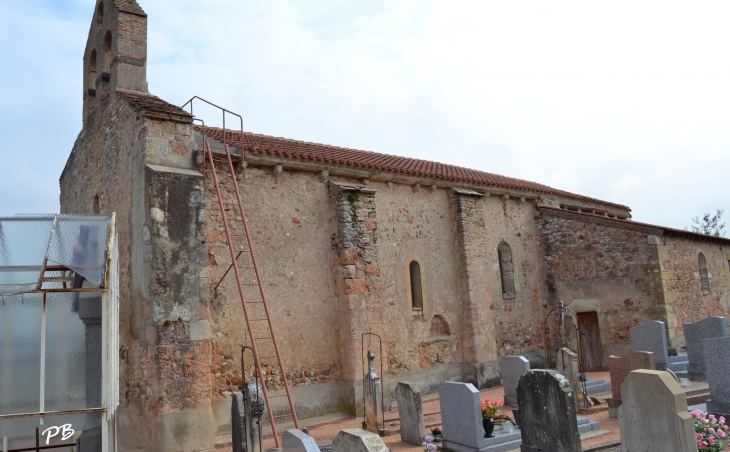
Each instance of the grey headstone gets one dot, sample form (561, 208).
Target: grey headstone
(294, 440)
(461, 416)
(410, 413)
(372, 395)
(651, 337)
(512, 368)
(358, 440)
(567, 366)
(717, 357)
(653, 414)
(547, 412)
(695, 334)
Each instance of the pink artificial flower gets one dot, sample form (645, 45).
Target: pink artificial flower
(699, 437)
(432, 447)
(704, 421)
(721, 433)
(726, 428)
(721, 421)
(711, 430)
(711, 440)
(703, 445)
(694, 413)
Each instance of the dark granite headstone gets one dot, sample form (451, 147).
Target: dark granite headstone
(717, 357)
(547, 411)
(695, 334)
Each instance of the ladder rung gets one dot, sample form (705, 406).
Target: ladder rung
(264, 357)
(279, 395)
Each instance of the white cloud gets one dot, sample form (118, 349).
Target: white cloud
(623, 101)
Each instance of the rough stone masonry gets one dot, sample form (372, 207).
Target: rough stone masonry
(337, 233)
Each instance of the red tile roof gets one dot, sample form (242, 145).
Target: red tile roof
(129, 6)
(634, 225)
(149, 102)
(283, 147)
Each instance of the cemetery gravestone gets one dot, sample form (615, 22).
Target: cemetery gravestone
(619, 369)
(567, 366)
(372, 394)
(410, 413)
(695, 334)
(512, 368)
(358, 440)
(461, 416)
(547, 409)
(294, 440)
(651, 337)
(717, 357)
(653, 414)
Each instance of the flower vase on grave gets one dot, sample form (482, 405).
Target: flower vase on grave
(488, 425)
(489, 410)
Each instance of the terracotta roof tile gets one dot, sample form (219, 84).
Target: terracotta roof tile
(288, 148)
(152, 103)
(129, 6)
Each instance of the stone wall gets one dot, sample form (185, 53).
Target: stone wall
(681, 276)
(595, 267)
(517, 320)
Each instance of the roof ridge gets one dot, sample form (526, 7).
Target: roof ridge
(305, 150)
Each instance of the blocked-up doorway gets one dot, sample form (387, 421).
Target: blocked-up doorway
(590, 340)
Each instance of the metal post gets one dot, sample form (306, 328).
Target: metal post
(43, 359)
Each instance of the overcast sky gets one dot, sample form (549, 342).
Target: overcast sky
(627, 102)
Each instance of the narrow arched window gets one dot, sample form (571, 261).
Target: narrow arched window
(106, 64)
(506, 270)
(416, 290)
(703, 275)
(100, 14)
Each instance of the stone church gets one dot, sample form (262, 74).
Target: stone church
(453, 268)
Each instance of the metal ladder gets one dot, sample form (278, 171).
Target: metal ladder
(259, 325)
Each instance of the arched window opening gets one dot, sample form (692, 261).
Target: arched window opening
(91, 81)
(100, 14)
(106, 64)
(416, 290)
(506, 270)
(704, 276)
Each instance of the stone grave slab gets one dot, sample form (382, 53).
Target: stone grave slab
(358, 440)
(461, 419)
(717, 359)
(694, 335)
(294, 440)
(547, 411)
(512, 368)
(651, 337)
(410, 413)
(619, 369)
(653, 414)
(567, 366)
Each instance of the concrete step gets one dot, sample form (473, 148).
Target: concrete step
(587, 425)
(597, 386)
(677, 359)
(676, 367)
